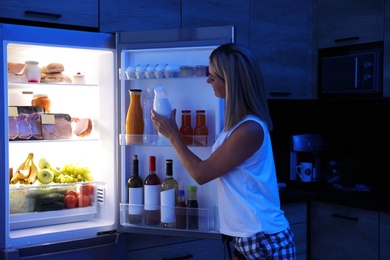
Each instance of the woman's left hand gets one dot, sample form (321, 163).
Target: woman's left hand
(165, 126)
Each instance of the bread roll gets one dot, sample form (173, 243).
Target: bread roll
(54, 68)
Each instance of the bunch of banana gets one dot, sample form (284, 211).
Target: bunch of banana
(27, 172)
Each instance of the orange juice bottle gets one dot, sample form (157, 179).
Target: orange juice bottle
(134, 118)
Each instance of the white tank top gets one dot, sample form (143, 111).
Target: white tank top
(248, 195)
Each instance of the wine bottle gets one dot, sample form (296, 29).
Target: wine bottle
(169, 189)
(135, 194)
(152, 195)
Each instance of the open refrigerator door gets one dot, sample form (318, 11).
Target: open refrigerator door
(178, 61)
(67, 189)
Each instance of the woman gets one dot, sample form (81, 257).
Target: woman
(242, 160)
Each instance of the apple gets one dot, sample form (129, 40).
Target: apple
(43, 163)
(45, 176)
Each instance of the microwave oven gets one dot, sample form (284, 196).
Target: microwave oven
(352, 74)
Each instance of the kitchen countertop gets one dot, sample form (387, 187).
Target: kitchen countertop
(326, 192)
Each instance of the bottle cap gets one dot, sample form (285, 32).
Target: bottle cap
(191, 188)
(180, 192)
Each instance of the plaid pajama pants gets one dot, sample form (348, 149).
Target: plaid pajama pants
(267, 246)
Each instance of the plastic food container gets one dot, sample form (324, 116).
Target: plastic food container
(201, 71)
(171, 71)
(186, 71)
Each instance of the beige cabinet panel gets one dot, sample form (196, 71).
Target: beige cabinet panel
(341, 232)
(281, 35)
(124, 15)
(384, 229)
(349, 22)
(83, 13)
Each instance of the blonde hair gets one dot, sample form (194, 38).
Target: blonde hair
(244, 84)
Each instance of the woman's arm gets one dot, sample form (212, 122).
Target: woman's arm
(242, 143)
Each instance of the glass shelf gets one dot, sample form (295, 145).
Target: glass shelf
(159, 140)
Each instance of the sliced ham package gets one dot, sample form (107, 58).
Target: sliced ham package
(32, 123)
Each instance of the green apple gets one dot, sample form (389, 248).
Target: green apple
(43, 163)
(45, 176)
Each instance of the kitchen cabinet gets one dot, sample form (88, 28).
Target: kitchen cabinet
(201, 13)
(141, 246)
(79, 13)
(342, 232)
(386, 54)
(296, 214)
(384, 240)
(123, 15)
(349, 22)
(284, 47)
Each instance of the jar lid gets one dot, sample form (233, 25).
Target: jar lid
(40, 95)
(180, 192)
(200, 111)
(186, 111)
(192, 188)
(31, 62)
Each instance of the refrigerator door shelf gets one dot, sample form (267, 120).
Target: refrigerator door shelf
(158, 140)
(206, 217)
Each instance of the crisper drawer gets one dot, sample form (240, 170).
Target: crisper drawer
(71, 12)
(36, 206)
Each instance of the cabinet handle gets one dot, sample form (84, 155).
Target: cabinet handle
(42, 14)
(356, 38)
(179, 257)
(344, 217)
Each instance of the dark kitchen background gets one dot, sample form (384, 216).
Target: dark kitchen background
(355, 133)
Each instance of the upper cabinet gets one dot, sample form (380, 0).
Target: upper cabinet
(281, 36)
(203, 13)
(349, 22)
(79, 13)
(124, 15)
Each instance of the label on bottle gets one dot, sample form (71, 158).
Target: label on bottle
(152, 197)
(136, 198)
(168, 206)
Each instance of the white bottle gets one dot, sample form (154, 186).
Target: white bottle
(150, 133)
(163, 107)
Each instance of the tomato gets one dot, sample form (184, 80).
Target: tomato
(72, 192)
(70, 201)
(86, 189)
(84, 201)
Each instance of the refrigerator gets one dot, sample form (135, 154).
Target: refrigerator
(93, 83)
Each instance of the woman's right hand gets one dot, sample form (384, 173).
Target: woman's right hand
(165, 126)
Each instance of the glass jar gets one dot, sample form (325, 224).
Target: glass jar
(32, 71)
(41, 100)
(186, 129)
(201, 131)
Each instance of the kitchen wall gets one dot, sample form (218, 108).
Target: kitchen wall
(354, 131)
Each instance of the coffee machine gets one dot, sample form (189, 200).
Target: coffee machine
(306, 148)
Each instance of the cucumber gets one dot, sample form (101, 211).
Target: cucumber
(51, 206)
(49, 198)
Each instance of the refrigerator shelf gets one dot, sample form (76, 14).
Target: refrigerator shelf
(206, 217)
(158, 140)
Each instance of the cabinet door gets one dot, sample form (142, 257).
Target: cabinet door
(123, 15)
(349, 22)
(284, 47)
(201, 13)
(140, 246)
(341, 232)
(384, 225)
(296, 214)
(71, 12)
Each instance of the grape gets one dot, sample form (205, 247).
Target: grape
(71, 173)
